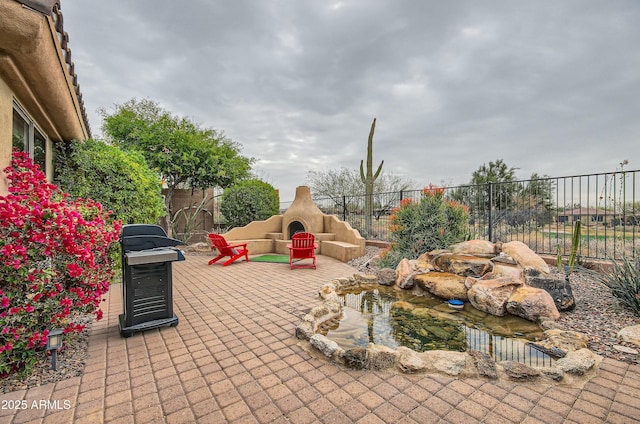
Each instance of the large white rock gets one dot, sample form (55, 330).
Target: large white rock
(409, 360)
(630, 335)
(443, 284)
(476, 247)
(526, 257)
(578, 362)
(533, 304)
(491, 296)
(503, 267)
(404, 274)
(463, 264)
(451, 363)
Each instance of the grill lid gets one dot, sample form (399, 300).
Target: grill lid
(145, 237)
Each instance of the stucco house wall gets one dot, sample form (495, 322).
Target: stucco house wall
(37, 77)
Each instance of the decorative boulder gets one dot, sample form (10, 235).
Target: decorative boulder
(365, 279)
(326, 290)
(519, 371)
(305, 330)
(324, 345)
(630, 335)
(404, 274)
(466, 265)
(578, 362)
(557, 285)
(423, 263)
(505, 266)
(533, 304)
(380, 357)
(356, 358)
(448, 362)
(409, 360)
(443, 284)
(482, 248)
(491, 296)
(484, 364)
(387, 276)
(565, 340)
(526, 257)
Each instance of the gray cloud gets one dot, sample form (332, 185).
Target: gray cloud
(550, 87)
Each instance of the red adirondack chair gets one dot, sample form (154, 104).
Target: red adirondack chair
(235, 251)
(302, 247)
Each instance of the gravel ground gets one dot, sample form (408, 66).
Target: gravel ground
(597, 314)
(70, 362)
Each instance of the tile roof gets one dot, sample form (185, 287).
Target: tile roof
(52, 8)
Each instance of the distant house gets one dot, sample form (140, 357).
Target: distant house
(40, 99)
(588, 216)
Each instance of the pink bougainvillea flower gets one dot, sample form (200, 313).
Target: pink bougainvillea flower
(41, 225)
(74, 270)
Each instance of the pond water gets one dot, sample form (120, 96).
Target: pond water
(393, 317)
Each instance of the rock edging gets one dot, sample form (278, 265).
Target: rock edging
(577, 365)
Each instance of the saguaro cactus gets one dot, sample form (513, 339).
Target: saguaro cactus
(368, 180)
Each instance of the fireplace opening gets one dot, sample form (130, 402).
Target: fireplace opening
(295, 227)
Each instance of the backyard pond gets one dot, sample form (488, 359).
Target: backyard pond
(393, 318)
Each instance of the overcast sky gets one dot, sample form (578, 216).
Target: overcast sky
(551, 87)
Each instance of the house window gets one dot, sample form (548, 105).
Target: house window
(27, 137)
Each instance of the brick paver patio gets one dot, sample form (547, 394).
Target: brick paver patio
(234, 358)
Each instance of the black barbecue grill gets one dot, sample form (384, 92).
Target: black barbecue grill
(147, 254)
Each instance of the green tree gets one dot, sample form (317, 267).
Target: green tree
(535, 200)
(247, 201)
(497, 177)
(494, 181)
(181, 152)
(540, 191)
(122, 182)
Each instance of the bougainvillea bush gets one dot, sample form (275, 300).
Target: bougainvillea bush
(433, 222)
(55, 262)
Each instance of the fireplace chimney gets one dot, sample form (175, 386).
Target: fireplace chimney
(302, 215)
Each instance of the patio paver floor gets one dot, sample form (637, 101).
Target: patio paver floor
(233, 358)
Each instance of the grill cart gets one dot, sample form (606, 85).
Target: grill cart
(147, 254)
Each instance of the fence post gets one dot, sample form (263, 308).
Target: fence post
(344, 208)
(491, 212)
(401, 194)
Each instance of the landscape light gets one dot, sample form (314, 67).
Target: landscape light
(54, 342)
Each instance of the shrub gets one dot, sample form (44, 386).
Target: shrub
(624, 282)
(247, 201)
(431, 223)
(121, 181)
(54, 262)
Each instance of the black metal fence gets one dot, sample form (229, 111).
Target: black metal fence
(539, 212)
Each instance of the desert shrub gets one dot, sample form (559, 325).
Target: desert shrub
(55, 262)
(247, 201)
(430, 223)
(121, 181)
(624, 282)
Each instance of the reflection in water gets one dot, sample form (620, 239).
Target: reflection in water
(393, 318)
